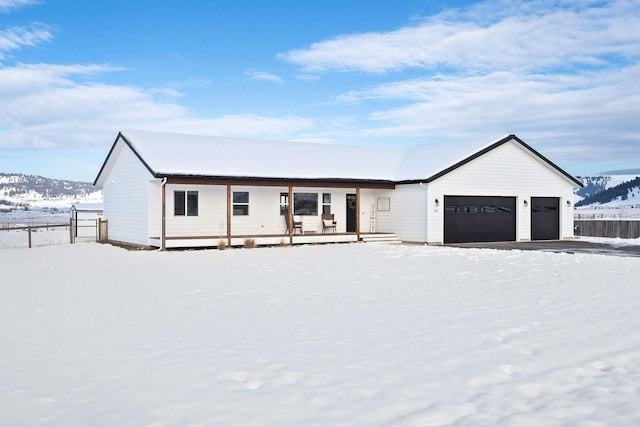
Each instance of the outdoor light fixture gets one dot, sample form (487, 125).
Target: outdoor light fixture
(437, 202)
(568, 202)
(526, 203)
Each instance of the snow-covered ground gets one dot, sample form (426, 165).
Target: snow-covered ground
(39, 216)
(326, 335)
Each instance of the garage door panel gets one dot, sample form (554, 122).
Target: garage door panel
(545, 218)
(479, 219)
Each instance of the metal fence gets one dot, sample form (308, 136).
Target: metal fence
(607, 228)
(28, 234)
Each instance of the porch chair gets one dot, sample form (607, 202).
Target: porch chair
(328, 222)
(296, 224)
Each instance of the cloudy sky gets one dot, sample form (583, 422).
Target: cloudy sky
(563, 75)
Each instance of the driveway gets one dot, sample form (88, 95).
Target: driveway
(563, 246)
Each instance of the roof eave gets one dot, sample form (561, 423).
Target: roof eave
(274, 180)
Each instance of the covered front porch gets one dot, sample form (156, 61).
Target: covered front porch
(212, 213)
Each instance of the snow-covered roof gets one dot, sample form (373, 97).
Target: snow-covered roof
(171, 154)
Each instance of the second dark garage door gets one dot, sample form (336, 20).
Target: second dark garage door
(479, 219)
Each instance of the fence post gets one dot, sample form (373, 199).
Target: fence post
(71, 239)
(29, 229)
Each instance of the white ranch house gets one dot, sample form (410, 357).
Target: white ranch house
(174, 191)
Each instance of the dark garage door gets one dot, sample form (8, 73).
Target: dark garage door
(479, 219)
(545, 218)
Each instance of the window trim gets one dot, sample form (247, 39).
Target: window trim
(326, 205)
(284, 203)
(243, 207)
(182, 207)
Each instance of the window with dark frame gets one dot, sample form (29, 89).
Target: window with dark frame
(240, 203)
(305, 204)
(185, 203)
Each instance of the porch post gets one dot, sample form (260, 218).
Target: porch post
(358, 213)
(229, 215)
(163, 233)
(290, 214)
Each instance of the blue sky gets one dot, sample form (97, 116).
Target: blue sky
(562, 75)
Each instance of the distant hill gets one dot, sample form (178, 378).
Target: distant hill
(596, 184)
(599, 191)
(31, 190)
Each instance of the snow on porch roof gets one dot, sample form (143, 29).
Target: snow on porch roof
(170, 154)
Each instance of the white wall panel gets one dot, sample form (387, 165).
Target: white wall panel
(126, 189)
(212, 212)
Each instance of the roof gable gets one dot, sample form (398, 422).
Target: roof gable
(511, 138)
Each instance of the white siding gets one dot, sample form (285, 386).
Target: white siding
(212, 212)
(508, 171)
(406, 215)
(155, 209)
(126, 191)
(264, 212)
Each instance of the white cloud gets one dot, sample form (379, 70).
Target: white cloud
(44, 106)
(596, 109)
(263, 76)
(553, 36)
(7, 5)
(18, 37)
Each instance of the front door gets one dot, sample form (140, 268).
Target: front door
(351, 213)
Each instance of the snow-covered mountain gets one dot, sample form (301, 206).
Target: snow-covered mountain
(609, 191)
(37, 191)
(596, 184)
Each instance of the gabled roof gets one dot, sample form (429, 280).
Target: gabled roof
(179, 155)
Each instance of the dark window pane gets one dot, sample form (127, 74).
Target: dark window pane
(488, 209)
(241, 210)
(240, 197)
(504, 209)
(192, 203)
(326, 198)
(536, 209)
(550, 209)
(178, 203)
(471, 209)
(305, 204)
(326, 209)
(452, 209)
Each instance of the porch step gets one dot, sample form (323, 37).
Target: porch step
(388, 238)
